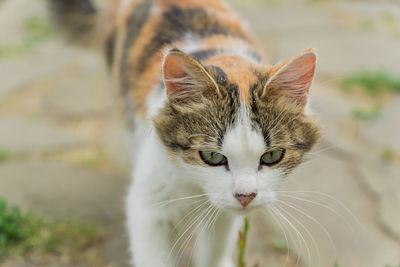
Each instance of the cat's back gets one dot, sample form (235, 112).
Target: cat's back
(140, 30)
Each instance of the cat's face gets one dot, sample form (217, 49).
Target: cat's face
(237, 130)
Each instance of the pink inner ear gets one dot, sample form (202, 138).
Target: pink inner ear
(295, 78)
(173, 71)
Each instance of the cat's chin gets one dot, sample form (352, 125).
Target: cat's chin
(242, 211)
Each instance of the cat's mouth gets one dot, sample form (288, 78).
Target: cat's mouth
(244, 210)
(240, 210)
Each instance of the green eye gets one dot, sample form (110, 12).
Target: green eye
(213, 158)
(272, 157)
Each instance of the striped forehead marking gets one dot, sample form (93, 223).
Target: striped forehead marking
(238, 71)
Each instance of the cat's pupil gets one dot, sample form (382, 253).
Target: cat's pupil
(272, 157)
(213, 158)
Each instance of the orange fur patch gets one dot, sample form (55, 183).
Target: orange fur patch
(239, 71)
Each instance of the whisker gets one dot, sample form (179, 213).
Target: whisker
(184, 232)
(354, 217)
(271, 212)
(338, 78)
(282, 126)
(307, 231)
(215, 221)
(277, 124)
(315, 221)
(298, 243)
(187, 241)
(206, 225)
(323, 206)
(169, 201)
(317, 152)
(204, 135)
(302, 237)
(204, 202)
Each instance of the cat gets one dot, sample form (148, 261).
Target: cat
(215, 131)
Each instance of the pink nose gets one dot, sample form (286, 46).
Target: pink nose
(245, 199)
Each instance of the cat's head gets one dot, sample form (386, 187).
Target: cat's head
(237, 128)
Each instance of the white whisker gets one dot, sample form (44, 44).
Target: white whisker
(300, 234)
(307, 231)
(271, 212)
(298, 241)
(166, 202)
(184, 232)
(323, 206)
(315, 221)
(187, 241)
(329, 197)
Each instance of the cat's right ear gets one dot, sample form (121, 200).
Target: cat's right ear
(185, 78)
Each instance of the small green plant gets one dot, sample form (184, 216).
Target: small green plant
(389, 265)
(391, 22)
(4, 154)
(388, 154)
(36, 28)
(15, 227)
(280, 245)
(367, 114)
(372, 82)
(91, 158)
(366, 25)
(22, 233)
(242, 243)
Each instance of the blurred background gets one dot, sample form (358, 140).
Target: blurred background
(64, 159)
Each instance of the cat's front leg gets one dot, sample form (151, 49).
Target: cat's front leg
(148, 232)
(215, 246)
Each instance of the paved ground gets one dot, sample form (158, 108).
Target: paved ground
(64, 152)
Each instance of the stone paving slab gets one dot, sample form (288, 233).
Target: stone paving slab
(376, 174)
(45, 60)
(384, 132)
(389, 213)
(61, 190)
(341, 47)
(85, 91)
(22, 135)
(382, 16)
(117, 146)
(380, 178)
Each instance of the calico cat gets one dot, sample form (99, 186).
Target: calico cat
(215, 130)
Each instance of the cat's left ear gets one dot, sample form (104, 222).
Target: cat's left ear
(185, 79)
(292, 79)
